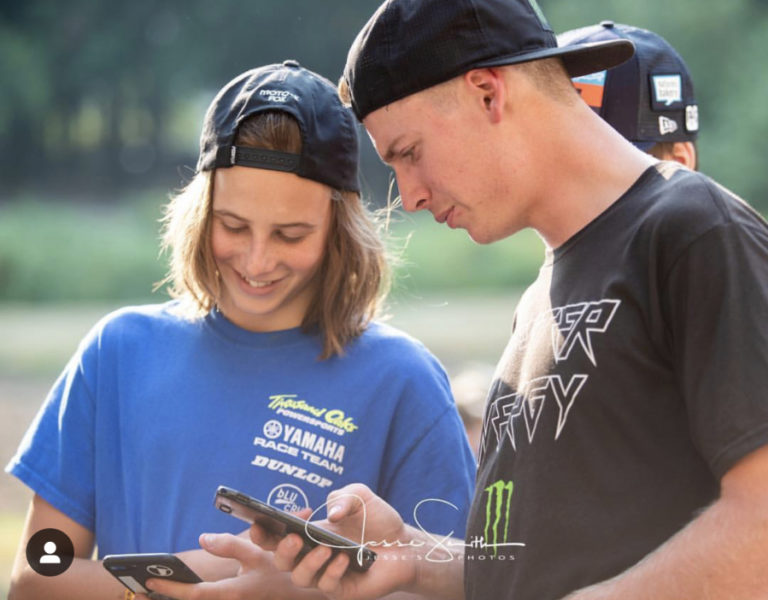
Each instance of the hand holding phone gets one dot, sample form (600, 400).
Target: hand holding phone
(280, 523)
(133, 570)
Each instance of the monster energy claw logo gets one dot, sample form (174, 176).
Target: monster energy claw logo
(496, 506)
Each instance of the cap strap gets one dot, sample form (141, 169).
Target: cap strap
(258, 158)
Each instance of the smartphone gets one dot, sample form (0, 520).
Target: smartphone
(281, 523)
(133, 570)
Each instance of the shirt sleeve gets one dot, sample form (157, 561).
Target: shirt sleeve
(432, 487)
(429, 475)
(717, 304)
(56, 456)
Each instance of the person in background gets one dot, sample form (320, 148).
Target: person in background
(649, 99)
(470, 389)
(267, 373)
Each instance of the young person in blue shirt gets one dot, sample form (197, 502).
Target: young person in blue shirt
(267, 372)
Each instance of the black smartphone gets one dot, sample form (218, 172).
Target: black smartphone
(281, 523)
(133, 570)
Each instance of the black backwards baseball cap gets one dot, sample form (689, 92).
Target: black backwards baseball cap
(649, 98)
(329, 151)
(410, 45)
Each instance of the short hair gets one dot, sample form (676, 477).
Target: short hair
(666, 151)
(548, 74)
(354, 274)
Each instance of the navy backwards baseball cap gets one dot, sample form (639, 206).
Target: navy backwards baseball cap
(649, 98)
(329, 150)
(410, 45)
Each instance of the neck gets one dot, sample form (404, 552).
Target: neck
(588, 166)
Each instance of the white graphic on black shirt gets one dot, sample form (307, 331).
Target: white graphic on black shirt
(576, 323)
(529, 404)
(512, 415)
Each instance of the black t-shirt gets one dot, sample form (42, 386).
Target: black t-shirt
(636, 375)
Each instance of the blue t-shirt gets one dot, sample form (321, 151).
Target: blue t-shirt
(154, 411)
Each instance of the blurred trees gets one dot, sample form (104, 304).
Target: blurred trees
(100, 96)
(724, 45)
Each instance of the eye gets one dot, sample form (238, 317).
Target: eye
(233, 228)
(290, 238)
(410, 154)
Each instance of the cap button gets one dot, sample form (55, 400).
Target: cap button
(607, 24)
(291, 63)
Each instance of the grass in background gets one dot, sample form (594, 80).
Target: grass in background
(11, 525)
(59, 251)
(437, 259)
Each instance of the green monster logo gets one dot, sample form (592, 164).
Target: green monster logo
(497, 504)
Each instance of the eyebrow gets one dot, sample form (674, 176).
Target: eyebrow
(297, 224)
(227, 213)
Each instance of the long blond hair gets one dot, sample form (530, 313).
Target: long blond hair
(354, 276)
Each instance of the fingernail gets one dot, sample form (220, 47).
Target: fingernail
(208, 539)
(335, 509)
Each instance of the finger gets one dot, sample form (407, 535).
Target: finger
(188, 591)
(306, 571)
(348, 501)
(330, 581)
(173, 589)
(287, 552)
(227, 545)
(263, 537)
(304, 513)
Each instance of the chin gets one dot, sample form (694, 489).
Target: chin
(481, 237)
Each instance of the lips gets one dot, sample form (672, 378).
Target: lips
(447, 217)
(257, 284)
(257, 287)
(443, 216)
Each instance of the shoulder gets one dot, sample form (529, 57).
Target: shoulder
(392, 348)
(382, 337)
(137, 324)
(690, 203)
(678, 207)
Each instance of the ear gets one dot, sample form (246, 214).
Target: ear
(685, 154)
(488, 88)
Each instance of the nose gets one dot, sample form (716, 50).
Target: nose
(260, 259)
(413, 195)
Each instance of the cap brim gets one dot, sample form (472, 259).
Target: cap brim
(580, 59)
(644, 146)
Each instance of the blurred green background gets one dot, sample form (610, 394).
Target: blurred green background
(100, 111)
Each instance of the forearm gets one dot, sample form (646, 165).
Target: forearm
(720, 555)
(85, 579)
(439, 567)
